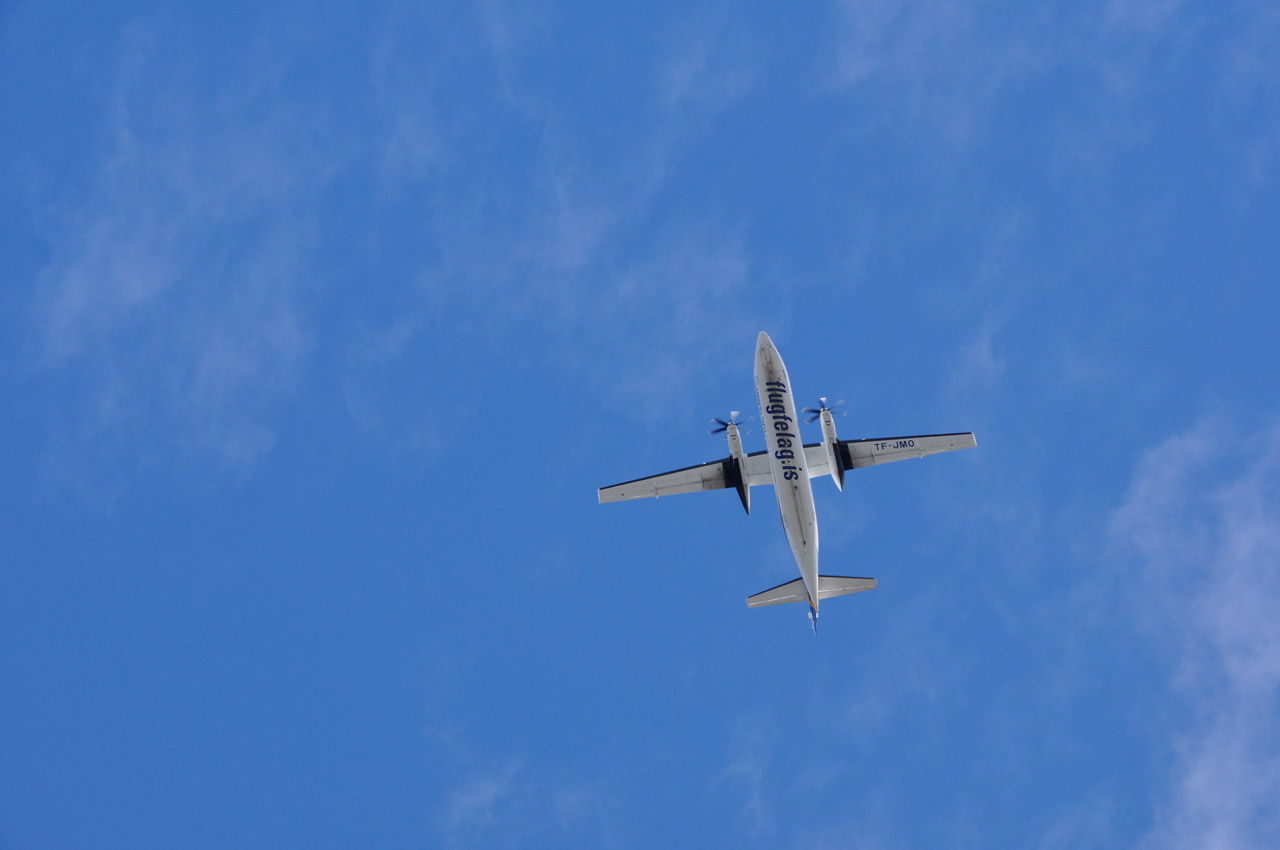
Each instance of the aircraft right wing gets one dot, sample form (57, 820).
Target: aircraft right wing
(855, 454)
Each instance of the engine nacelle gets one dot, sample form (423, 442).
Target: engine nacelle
(831, 443)
(735, 472)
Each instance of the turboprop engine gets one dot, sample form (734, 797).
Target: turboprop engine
(830, 442)
(735, 472)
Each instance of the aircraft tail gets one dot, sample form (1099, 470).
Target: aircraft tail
(794, 591)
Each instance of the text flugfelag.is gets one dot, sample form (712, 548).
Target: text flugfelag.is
(786, 438)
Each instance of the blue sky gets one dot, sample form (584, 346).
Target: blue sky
(320, 328)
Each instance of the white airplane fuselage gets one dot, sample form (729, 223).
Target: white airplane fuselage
(787, 460)
(787, 463)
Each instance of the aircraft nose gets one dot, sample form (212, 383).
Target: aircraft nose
(763, 341)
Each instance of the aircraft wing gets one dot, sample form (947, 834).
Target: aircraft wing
(714, 475)
(855, 454)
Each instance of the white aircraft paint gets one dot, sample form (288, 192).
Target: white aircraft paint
(791, 481)
(788, 464)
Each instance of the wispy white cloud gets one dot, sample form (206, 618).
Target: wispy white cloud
(1251, 69)
(709, 65)
(673, 323)
(474, 806)
(944, 61)
(573, 248)
(383, 405)
(747, 767)
(955, 66)
(516, 803)
(1141, 15)
(1203, 515)
(172, 290)
(1090, 824)
(978, 362)
(994, 290)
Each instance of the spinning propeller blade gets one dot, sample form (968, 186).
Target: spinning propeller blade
(815, 412)
(723, 425)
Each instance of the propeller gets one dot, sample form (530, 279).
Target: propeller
(815, 412)
(723, 425)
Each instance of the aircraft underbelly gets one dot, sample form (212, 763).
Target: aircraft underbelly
(795, 501)
(791, 481)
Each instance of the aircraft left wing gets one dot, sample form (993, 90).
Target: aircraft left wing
(714, 475)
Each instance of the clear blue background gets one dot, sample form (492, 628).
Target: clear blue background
(320, 327)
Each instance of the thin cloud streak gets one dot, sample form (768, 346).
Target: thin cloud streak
(543, 253)
(951, 65)
(173, 284)
(515, 803)
(1203, 515)
(750, 754)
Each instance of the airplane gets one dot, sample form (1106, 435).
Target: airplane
(789, 465)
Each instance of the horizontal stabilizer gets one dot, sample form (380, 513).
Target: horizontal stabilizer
(794, 591)
(840, 585)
